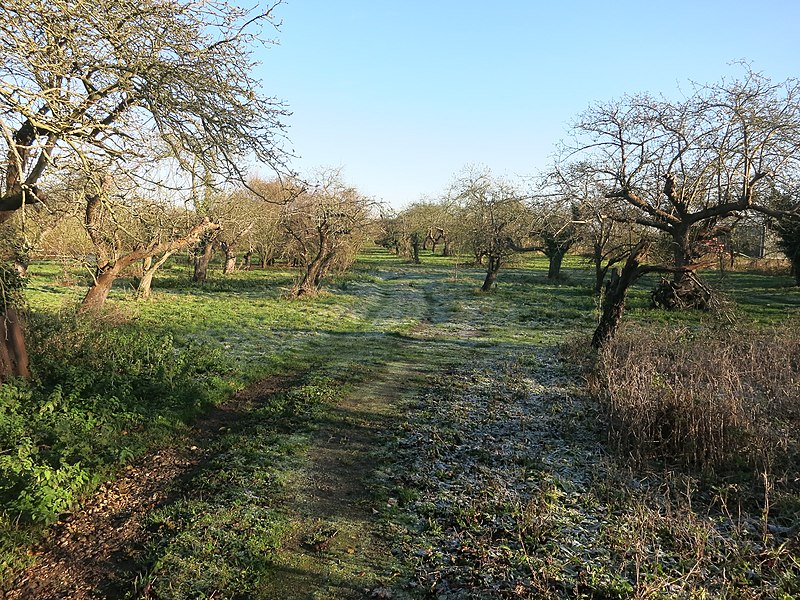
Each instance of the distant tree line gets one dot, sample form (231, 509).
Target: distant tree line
(647, 185)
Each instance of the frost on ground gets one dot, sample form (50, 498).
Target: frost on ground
(498, 486)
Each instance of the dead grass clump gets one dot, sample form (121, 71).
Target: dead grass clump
(765, 266)
(711, 398)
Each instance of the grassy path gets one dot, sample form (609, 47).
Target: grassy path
(328, 511)
(272, 495)
(426, 442)
(334, 547)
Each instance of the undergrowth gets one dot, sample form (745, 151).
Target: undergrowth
(710, 398)
(102, 392)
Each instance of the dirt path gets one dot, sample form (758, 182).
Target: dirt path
(335, 550)
(96, 551)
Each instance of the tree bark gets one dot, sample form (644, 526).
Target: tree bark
(491, 273)
(415, 248)
(13, 351)
(317, 267)
(98, 292)
(202, 260)
(150, 267)
(616, 293)
(13, 354)
(230, 258)
(308, 285)
(554, 268)
(682, 252)
(144, 289)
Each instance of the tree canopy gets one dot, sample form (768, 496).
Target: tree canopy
(130, 84)
(683, 167)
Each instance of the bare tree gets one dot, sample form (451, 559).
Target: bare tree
(391, 229)
(129, 83)
(496, 221)
(127, 229)
(685, 167)
(328, 221)
(432, 224)
(144, 79)
(267, 237)
(557, 225)
(237, 213)
(610, 242)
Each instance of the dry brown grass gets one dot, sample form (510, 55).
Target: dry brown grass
(766, 266)
(713, 398)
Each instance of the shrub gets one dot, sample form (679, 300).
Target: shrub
(709, 398)
(103, 390)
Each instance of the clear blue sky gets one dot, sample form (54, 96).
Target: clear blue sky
(403, 95)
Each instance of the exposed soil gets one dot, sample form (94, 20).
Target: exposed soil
(95, 552)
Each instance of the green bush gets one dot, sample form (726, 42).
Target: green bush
(102, 390)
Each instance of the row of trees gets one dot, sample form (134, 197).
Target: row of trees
(125, 95)
(489, 218)
(318, 225)
(645, 185)
(126, 131)
(134, 124)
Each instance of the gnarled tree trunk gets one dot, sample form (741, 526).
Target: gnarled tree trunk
(229, 266)
(491, 273)
(415, 248)
(13, 354)
(109, 271)
(149, 269)
(317, 267)
(554, 268)
(616, 292)
(202, 258)
(99, 290)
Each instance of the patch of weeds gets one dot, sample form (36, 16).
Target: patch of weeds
(104, 392)
(214, 550)
(715, 399)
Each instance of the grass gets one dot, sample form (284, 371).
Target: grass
(486, 443)
(225, 530)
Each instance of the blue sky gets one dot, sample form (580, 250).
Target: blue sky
(403, 95)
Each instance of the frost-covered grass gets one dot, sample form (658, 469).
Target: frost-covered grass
(499, 485)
